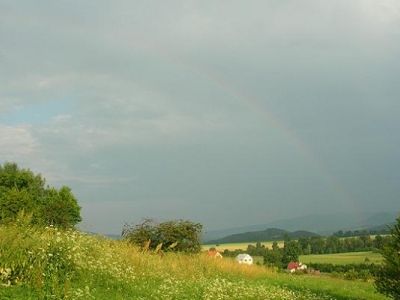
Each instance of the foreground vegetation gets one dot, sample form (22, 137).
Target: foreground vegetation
(388, 277)
(49, 263)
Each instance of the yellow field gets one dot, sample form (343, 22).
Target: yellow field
(241, 246)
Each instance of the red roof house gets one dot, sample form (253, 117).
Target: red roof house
(214, 253)
(293, 265)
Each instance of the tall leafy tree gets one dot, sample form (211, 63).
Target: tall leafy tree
(388, 277)
(291, 252)
(22, 190)
(60, 207)
(273, 257)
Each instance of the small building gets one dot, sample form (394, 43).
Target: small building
(212, 252)
(293, 266)
(244, 259)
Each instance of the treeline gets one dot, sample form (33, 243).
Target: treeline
(349, 233)
(281, 256)
(276, 256)
(334, 244)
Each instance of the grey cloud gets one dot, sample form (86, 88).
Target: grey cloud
(188, 107)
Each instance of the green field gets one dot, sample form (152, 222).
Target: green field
(342, 258)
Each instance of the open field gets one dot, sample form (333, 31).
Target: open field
(38, 263)
(342, 258)
(242, 246)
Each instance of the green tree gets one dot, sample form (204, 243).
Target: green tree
(12, 201)
(273, 257)
(60, 208)
(317, 245)
(291, 252)
(332, 244)
(378, 242)
(175, 235)
(23, 191)
(304, 245)
(275, 246)
(257, 250)
(388, 277)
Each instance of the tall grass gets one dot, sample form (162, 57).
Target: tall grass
(48, 263)
(52, 262)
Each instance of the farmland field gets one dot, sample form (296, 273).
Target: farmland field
(242, 246)
(342, 258)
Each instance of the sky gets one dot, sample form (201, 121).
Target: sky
(227, 113)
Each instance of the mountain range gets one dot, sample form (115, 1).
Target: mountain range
(323, 224)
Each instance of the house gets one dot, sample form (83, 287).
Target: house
(244, 259)
(212, 252)
(293, 266)
(302, 267)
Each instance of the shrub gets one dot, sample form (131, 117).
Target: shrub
(176, 235)
(349, 271)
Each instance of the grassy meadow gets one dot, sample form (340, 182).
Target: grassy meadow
(48, 263)
(343, 258)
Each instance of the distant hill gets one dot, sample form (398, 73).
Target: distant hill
(381, 229)
(323, 224)
(270, 234)
(384, 228)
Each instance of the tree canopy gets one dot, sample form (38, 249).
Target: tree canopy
(23, 191)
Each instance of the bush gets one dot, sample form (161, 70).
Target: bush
(349, 271)
(176, 235)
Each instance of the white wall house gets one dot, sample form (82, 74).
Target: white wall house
(244, 259)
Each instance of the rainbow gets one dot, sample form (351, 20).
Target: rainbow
(254, 104)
